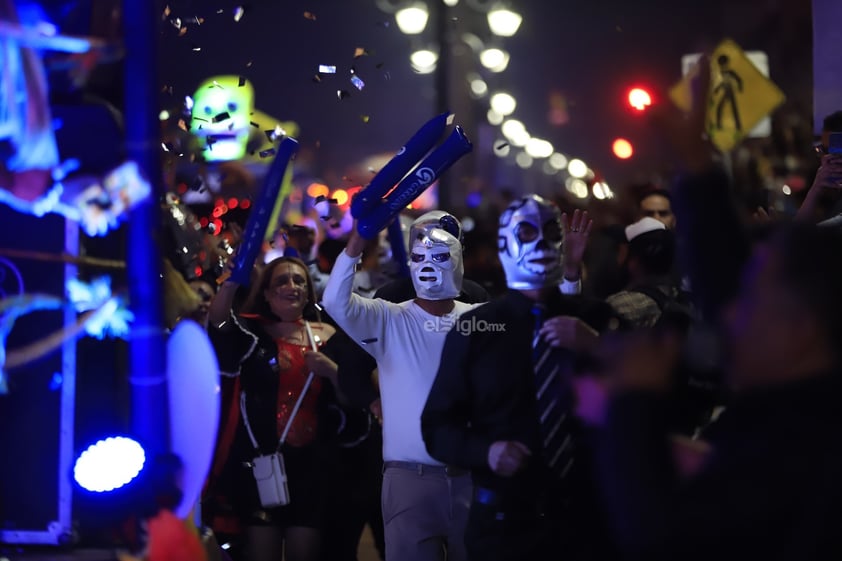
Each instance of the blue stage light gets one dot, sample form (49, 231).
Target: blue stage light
(109, 464)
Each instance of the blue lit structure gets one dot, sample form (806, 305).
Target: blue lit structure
(147, 346)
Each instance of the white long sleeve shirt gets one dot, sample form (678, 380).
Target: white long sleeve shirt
(406, 342)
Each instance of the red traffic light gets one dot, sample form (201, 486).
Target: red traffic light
(622, 148)
(639, 99)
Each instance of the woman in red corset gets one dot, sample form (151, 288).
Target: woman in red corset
(265, 356)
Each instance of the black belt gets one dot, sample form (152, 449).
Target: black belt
(421, 469)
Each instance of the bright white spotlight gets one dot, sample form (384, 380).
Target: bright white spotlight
(503, 103)
(577, 168)
(450, 3)
(504, 22)
(523, 160)
(539, 148)
(494, 59)
(424, 61)
(413, 19)
(558, 161)
(109, 464)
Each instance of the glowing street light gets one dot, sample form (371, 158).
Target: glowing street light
(539, 148)
(413, 19)
(558, 161)
(577, 168)
(494, 59)
(504, 22)
(503, 103)
(424, 61)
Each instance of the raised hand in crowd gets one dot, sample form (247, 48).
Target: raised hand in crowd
(828, 176)
(575, 232)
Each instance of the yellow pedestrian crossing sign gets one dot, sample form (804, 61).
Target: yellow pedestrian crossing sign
(740, 95)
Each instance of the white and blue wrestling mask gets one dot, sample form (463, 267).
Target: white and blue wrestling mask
(529, 243)
(435, 259)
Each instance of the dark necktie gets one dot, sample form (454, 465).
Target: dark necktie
(553, 401)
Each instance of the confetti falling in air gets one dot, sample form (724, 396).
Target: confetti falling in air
(167, 12)
(182, 125)
(383, 23)
(196, 48)
(242, 82)
(267, 153)
(238, 13)
(365, 118)
(248, 64)
(327, 69)
(317, 78)
(342, 94)
(501, 145)
(221, 117)
(358, 83)
(310, 16)
(255, 125)
(359, 51)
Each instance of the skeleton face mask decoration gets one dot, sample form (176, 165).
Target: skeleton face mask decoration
(435, 263)
(530, 243)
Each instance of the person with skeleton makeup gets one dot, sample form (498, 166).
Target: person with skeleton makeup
(425, 502)
(487, 405)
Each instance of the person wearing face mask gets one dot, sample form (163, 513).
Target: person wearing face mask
(425, 501)
(494, 411)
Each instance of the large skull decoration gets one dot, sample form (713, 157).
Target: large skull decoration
(530, 239)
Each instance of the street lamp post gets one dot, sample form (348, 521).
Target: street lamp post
(412, 17)
(442, 79)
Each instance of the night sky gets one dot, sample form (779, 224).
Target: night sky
(589, 53)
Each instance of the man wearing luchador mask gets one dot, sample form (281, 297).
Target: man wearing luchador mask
(425, 501)
(500, 402)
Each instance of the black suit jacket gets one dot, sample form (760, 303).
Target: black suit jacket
(485, 392)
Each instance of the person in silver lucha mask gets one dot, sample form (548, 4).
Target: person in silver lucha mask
(425, 501)
(509, 422)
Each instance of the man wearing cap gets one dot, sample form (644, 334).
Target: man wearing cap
(648, 266)
(425, 502)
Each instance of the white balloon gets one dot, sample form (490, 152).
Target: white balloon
(193, 379)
